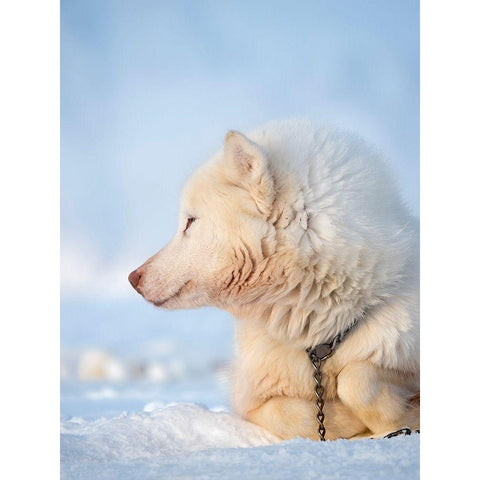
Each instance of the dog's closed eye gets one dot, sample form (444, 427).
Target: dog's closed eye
(190, 220)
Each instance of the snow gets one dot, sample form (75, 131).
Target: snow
(172, 430)
(188, 441)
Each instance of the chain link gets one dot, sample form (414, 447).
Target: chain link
(317, 356)
(319, 389)
(402, 431)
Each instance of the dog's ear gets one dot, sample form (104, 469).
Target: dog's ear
(243, 155)
(247, 164)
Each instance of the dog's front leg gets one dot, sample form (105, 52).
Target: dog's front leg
(289, 417)
(382, 405)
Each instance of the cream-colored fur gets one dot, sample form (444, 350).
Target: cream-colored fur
(297, 231)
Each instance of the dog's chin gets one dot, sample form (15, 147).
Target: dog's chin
(177, 299)
(178, 303)
(184, 302)
(171, 303)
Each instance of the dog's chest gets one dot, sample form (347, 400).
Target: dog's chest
(267, 368)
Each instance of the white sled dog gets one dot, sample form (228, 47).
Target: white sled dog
(297, 232)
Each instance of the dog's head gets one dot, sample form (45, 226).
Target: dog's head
(225, 235)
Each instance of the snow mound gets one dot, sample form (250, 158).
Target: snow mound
(188, 441)
(175, 429)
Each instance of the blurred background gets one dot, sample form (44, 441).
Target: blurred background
(148, 91)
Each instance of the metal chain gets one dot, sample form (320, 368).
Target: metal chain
(402, 431)
(319, 389)
(318, 355)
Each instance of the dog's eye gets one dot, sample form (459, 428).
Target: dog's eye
(190, 220)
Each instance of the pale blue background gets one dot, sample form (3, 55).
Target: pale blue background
(148, 90)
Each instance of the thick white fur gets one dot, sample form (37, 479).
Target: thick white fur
(297, 232)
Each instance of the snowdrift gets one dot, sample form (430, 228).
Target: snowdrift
(189, 441)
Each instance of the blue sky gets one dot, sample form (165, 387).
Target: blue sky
(149, 88)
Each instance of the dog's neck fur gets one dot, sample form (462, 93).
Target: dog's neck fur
(306, 300)
(312, 299)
